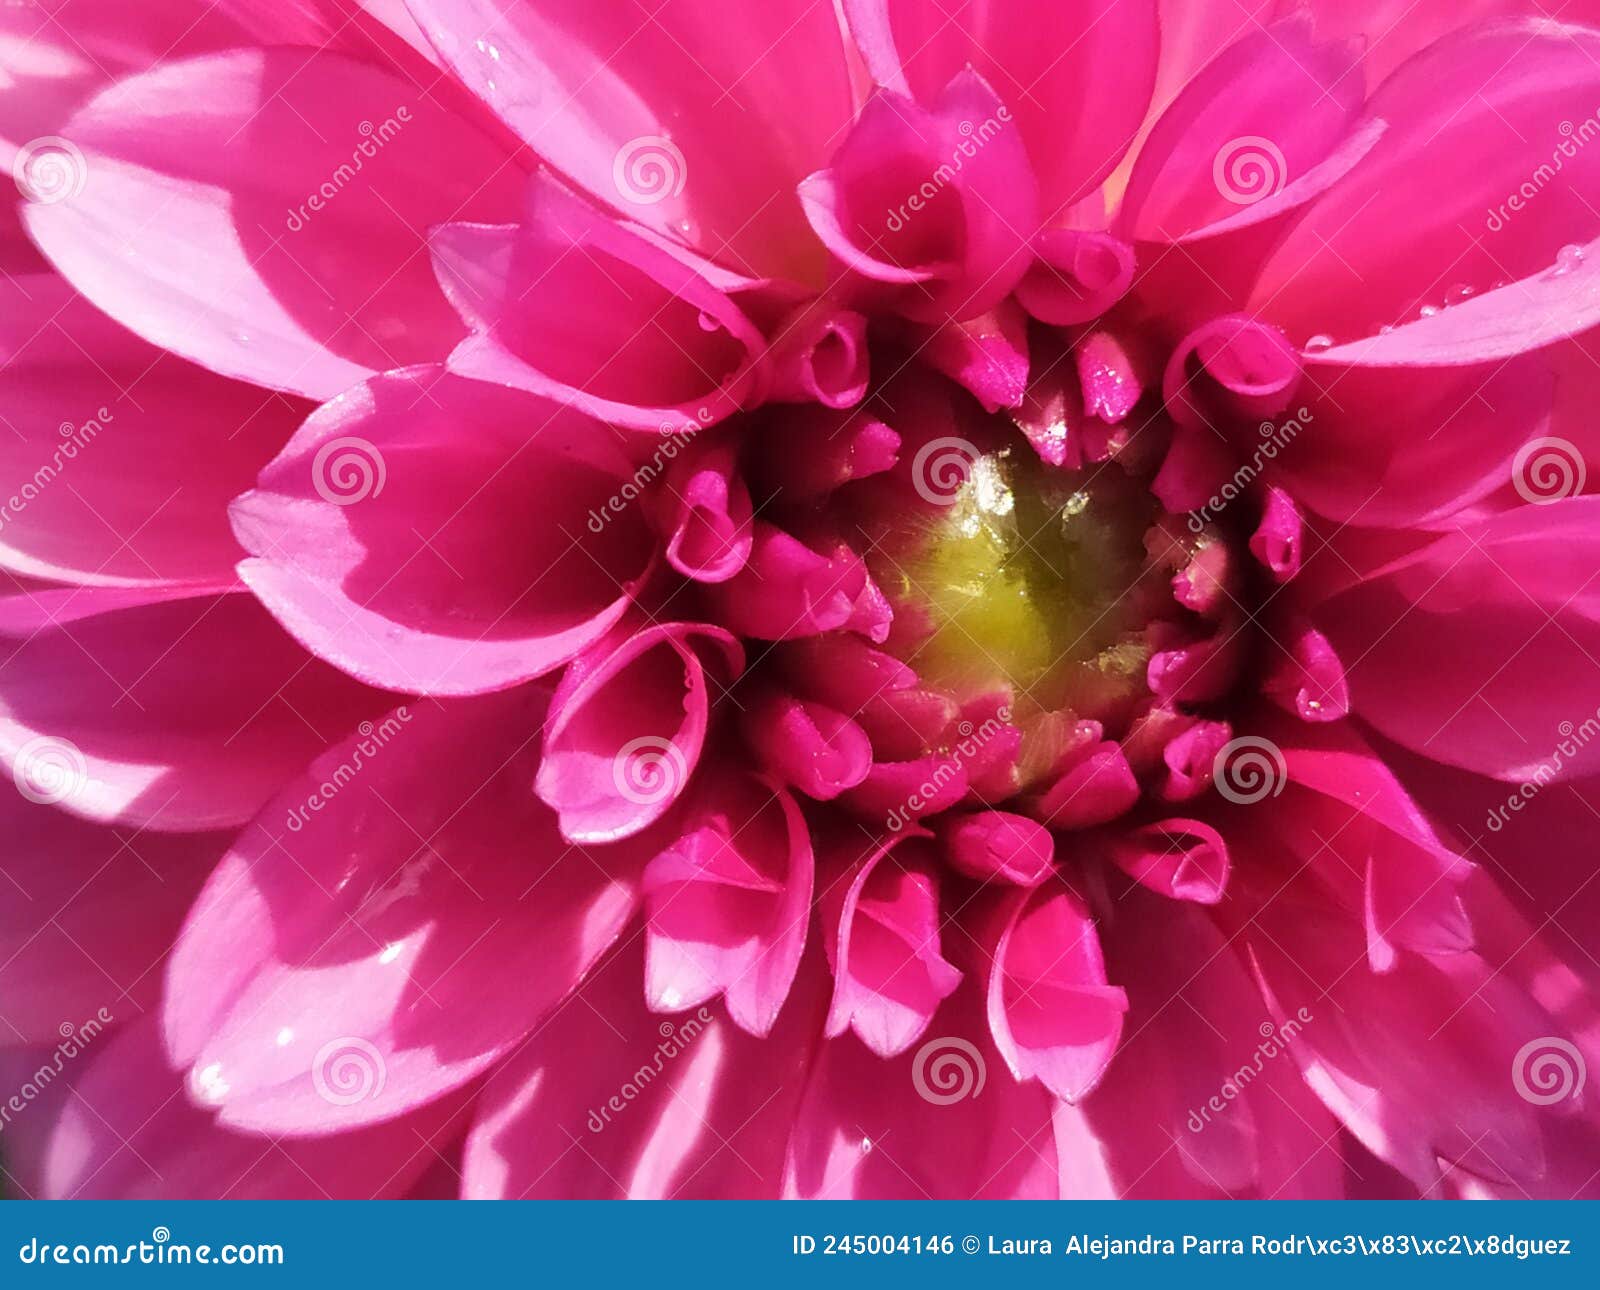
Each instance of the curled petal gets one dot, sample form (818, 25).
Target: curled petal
(1053, 1016)
(728, 903)
(627, 725)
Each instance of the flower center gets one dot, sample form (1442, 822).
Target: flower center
(1026, 579)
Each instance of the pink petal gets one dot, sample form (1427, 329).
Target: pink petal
(428, 533)
(181, 712)
(999, 845)
(1077, 79)
(707, 512)
(122, 458)
(1205, 1101)
(578, 307)
(710, 1120)
(1052, 1013)
(627, 724)
(817, 749)
(728, 904)
(1487, 107)
(129, 1133)
(646, 114)
(1269, 109)
(295, 158)
(89, 915)
(365, 949)
(1182, 859)
(1077, 276)
(945, 1121)
(882, 937)
(931, 210)
(1501, 593)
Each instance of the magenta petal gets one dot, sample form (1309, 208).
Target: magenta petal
(579, 308)
(1077, 78)
(130, 1133)
(952, 246)
(711, 1121)
(1272, 107)
(263, 167)
(366, 527)
(1204, 1101)
(153, 447)
(999, 845)
(1183, 859)
(817, 749)
(1052, 1013)
(1501, 593)
(728, 903)
(882, 929)
(377, 939)
(89, 916)
(945, 1121)
(1490, 106)
(707, 513)
(646, 114)
(178, 711)
(1077, 276)
(1094, 790)
(820, 356)
(627, 725)
(789, 590)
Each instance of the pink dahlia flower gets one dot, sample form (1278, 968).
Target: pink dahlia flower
(724, 599)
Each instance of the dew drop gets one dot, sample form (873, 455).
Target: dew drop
(1319, 343)
(708, 323)
(1568, 258)
(1427, 311)
(1461, 291)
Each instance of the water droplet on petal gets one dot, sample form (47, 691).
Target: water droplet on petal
(1568, 258)
(1319, 343)
(1427, 311)
(708, 323)
(1385, 329)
